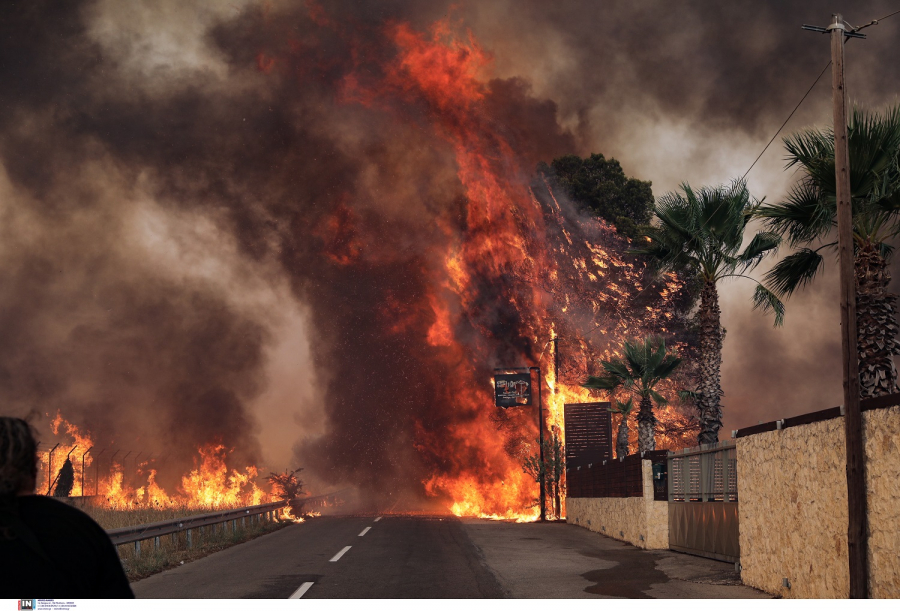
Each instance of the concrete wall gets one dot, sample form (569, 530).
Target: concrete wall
(640, 521)
(793, 507)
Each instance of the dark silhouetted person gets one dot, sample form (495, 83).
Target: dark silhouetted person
(47, 548)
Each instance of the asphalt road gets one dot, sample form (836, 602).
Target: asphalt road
(441, 557)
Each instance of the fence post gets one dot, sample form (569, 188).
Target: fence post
(156, 543)
(190, 542)
(725, 474)
(137, 549)
(670, 476)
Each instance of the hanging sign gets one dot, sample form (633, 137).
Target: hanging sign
(512, 389)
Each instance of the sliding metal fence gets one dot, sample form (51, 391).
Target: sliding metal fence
(703, 508)
(704, 473)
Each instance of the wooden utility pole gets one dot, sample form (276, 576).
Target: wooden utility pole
(555, 341)
(556, 499)
(856, 482)
(543, 467)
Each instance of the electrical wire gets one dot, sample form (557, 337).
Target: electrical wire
(873, 22)
(815, 82)
(818, 78)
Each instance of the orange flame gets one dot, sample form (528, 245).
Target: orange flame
(210, 484)
(449, 76)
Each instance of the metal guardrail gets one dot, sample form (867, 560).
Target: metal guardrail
(154, 530)
(704, 473)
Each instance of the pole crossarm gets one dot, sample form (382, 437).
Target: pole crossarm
(834, 26)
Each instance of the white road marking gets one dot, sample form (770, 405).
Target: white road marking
(338, 555)
(365, 530)
(302, 590)
(378, 518)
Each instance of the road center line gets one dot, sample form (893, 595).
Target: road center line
(338, 555)
(378, 518)
(365, 530)
(302, 590)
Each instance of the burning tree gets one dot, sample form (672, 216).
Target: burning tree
(600, 186)
(551, 469)
(288, 487)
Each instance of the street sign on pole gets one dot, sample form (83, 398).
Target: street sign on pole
(512, 389)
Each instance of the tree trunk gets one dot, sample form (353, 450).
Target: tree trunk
(646, 426)
(710, 390)
(876, 323)
(622, 438)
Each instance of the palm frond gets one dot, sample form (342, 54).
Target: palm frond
(768, 302)
(601, 383)
(762, 244)
(667, 367)
(688, 396)
(794, 271)
(617, 368)
(660, 400)
(805, 215)
(622, 407)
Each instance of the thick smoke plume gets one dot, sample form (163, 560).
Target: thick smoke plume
(180, 182)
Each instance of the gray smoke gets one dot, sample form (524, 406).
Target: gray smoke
(199, 243)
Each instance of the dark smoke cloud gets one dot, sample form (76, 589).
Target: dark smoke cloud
(215, 133)
(692, 91)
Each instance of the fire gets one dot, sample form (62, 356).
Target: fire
(210, 484)
(545, 286)
(510, 268)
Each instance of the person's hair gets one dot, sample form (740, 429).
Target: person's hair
(18, 455)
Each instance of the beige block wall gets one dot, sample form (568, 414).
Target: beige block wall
(793, 507)
(625, 519)
(882, 443)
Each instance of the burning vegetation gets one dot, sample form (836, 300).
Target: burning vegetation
(387, 176)
(77, 468)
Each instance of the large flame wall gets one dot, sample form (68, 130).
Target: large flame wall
(375, 167)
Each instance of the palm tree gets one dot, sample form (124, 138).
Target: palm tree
(622, 434)
(646, 364)
(808, 215)
(700, 233)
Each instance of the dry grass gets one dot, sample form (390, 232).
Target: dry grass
(174, 550)
(110, 518)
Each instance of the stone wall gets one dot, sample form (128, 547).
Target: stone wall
(793, 508)
(640, 521)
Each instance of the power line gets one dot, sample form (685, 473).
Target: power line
(818, 78)
(815, 82)
(874, 21)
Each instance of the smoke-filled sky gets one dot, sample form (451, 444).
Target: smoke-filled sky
(205, 216)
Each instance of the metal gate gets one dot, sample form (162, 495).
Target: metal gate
(703, 501)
